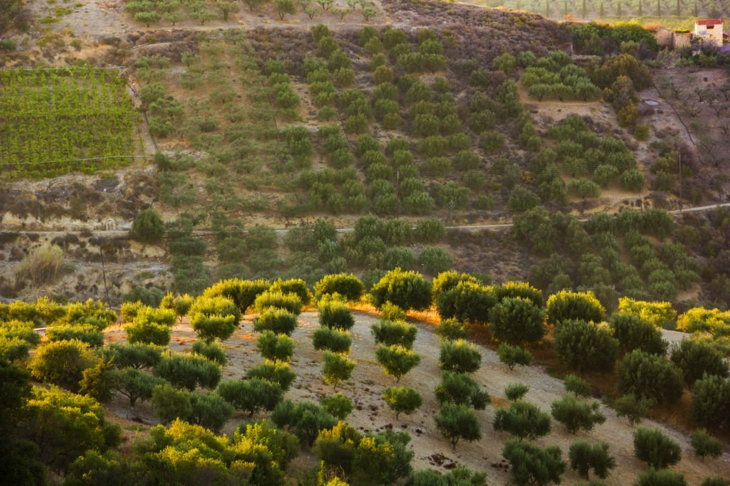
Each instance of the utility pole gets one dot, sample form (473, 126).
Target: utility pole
(103, 272)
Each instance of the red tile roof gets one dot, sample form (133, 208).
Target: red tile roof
(709, 22)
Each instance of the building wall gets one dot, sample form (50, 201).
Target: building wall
(713, 35)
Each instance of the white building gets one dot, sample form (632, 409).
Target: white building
(710, 31)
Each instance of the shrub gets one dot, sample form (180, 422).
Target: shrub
(335, 314)
(402, 400)
(331, 339)
(85, 333)
(42, 265)
(147, 227)
(649, 376)
(697, 359)
(575, 414)
(134, 384)
(459, 356)
(655, 448)
(435, 260)
(346, 285)
(461, 389)
(662, 477)
(635, 333)
(289, 301)
(467, 301)
(407, 290)
(169, 403)
(574, 305)
(149, 297)
(513, 355)
(523, 420)
(705, 445)
(585, 456)
(457, 422)
(214, 318)
(188, 371)
(394, 333)
(714, 481)
(61, 363)
(396, 360)
(274, 371)
(278, 321)
(577, 386)
(519, 289)
(632, 180)
(515, 391)
(135, 356)
(430, 230)
(516, 320)
(338, 405)
(584, 188)
(295, 286)
(522, 200)
(336, 368)
(275, 347)
(209, 410)
(711, 401)
(451, 330)
(251, 395)
(633, 408)
(584, 346)
(305, 419)
(210, 351)
(530, 464)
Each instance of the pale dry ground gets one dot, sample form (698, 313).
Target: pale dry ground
(368, 382)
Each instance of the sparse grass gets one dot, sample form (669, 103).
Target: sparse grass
(42, 266)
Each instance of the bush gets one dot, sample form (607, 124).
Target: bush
(516, 321)
(649, 376)
(523, 420)
(457, 422)
(42, 265)
(577, 386)
(242, 292)
(336, 368)
(402, 400)
(274, 371)
(574, 305)
(305, 419)
(394, 333)
(430, 230)
(149, 297)
(147, 227)
(209, 410)
(338, 405)
(635, 333)
(214, 318)
(210, 351)
(632, 180)
(275, 347)
(451, 330)
(585, 456)
(576, 414)
(346, 285)
(705, 445)
(662, 477)
(697, 360)
(335, 340)
(295, 286)
(278, 321)
(633, 408)
(655, 448)
(407, 290)
(62, 363)
(188, 371)
(531, 465)
(435, 260)
(251, 395)
(335, 314)
(522, 200)
(459, 356)
(169, 403)
(467, 301)
(513, 355)
(396, 360)
(289, 301)
(711, 401)
(584, 346)
(85, 333)
(461, 389)
(519, 289)
(584, 188)
(135, 356)
(515, 391)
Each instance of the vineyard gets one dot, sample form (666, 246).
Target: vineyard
(55, 121)
(674, 11)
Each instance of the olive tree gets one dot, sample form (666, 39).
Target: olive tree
(574, 305)
(516, 320)
(276, 347)
(402, 400)
(336, 368)
(251, 395)
(585, 457)
(396, 360)
(656, 448)
(461, 389)
(529, 464)
(330, 339)
(392, 333)
(459, 356)
(649, 376)
(523, 420)
(457, 422)
(584, 346)
(407, 290)
(711, 401)
(697, 359)
(134, 384)
(705, 445)
(575, 414)
(188, 371)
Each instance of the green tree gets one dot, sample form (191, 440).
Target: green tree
(169, 403)
(516, 321)
(459, 356)
(346, 285)
(251, 395)
(575, 385)
(711, 401)
(457, 422)
(278, 321)
(62, 363)
(451, 330)
(649, 376)
(135, 356)
(466, 302)
(188, 371)
(461, 389)
(97, 381)
(407, 290)
(697, 359)
(575, 414)
(633, 332)
(214, 318)
(513, 355)
(662, 477)
(277, 347)
(335, 314)
(402, 400)
(336, 368)
(516, 391)
(532, 465)
(574, 305)
(226, 8)
(338, 405)
(655, 448)
(396, 360)
(148, 226)
(523, 420)
(632, 407)
(330, 339)
(584, 346)
(212, 352)
(304, 419)
(585, 456)
(391, 333)
(705, 445)
(274, 371)
(134, 384)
